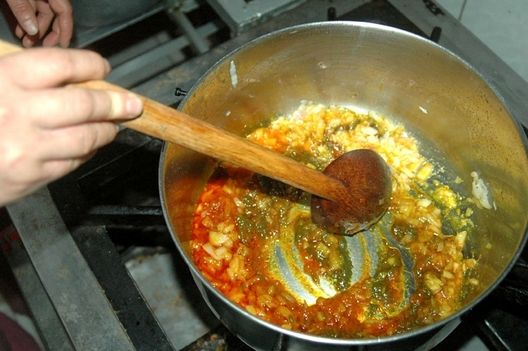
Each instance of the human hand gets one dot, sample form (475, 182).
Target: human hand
(48, 129)
(48, 20)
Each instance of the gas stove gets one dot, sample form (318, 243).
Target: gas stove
(91, 252)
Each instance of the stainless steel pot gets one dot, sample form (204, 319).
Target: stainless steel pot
(432, 91)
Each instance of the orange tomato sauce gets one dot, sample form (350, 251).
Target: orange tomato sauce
(246, 227)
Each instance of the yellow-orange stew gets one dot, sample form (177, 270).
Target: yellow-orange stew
(254, 240)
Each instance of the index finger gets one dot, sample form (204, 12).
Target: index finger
(51, 67)
(64, 107)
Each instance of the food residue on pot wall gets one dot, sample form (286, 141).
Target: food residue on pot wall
(233, 74)
(481, 192)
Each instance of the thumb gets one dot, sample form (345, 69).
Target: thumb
(25, 15)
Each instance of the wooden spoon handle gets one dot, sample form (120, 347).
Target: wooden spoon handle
(171, 125)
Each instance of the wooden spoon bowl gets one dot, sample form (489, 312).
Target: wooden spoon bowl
(368, 181)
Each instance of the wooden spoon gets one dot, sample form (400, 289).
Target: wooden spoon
(351, 194)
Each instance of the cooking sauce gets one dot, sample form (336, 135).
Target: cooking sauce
(254, 241)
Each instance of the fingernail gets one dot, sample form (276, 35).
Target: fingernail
(108, 67)
(133, 106)
(30, 27)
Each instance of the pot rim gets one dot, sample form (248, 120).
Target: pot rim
(310, 337)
